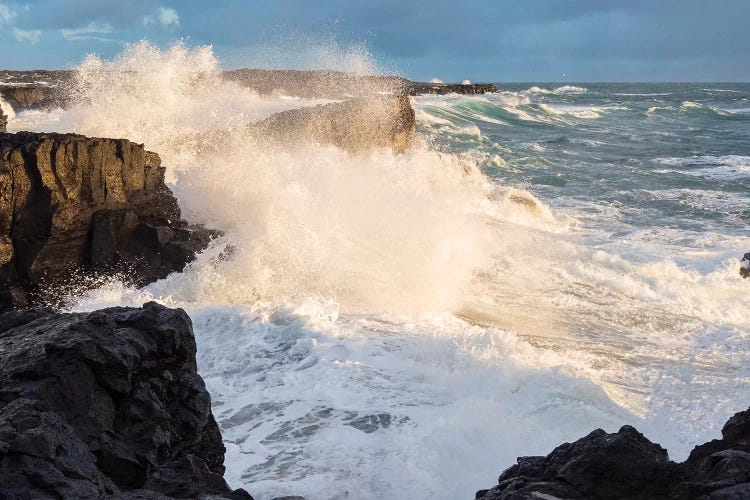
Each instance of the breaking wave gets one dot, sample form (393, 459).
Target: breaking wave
(384, 319)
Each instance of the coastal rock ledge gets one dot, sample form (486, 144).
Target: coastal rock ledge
(626, 465)
(73, 206)
(106, 404)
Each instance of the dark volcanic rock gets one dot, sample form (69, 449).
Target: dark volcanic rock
(357, 125)
(626, 465)
(72, 205)
(105, 404)
(3, 120)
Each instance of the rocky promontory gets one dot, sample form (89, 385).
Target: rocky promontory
(44, 89)
(73, 205)
(342, 84)
(626, 465)
(106, 404)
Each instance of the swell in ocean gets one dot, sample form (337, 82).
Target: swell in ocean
(547, 260)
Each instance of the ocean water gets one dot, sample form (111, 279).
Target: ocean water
(549, 259)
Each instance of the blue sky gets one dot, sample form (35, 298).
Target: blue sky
(500, 40)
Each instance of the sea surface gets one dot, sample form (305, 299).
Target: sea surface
(549, 259)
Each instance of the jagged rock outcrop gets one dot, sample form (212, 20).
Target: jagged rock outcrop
(357, 125)
(3, 120)
(626, 465)
(106, 404)
(72, 205)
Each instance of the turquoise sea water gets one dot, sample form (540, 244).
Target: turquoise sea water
(657, 155)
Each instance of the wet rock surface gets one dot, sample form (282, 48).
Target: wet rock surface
(3, 120)
(72, 205)
(626, 465)
(106, 404)
(358, 125)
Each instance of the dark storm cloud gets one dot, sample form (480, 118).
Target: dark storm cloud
(480, 39)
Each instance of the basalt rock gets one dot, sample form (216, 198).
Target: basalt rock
(357, 125)
(626, 465)
(106, 404)
(77, 206)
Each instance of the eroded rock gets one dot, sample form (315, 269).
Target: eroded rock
(73, 205)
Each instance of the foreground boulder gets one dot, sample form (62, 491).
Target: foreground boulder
(358, 125)
(626, 465)
(72, 205)
(106, 404)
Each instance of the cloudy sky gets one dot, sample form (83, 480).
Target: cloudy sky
(489, 40)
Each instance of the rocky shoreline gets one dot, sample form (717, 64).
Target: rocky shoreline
(626, 465)
(109, 404)
(43, 89)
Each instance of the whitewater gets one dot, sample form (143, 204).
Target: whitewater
(546, 260)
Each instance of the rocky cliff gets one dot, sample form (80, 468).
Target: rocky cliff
(3, 120)
(106, 404)
(70, 204)
(626, 465)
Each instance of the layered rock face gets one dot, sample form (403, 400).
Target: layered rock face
(358, 125)
(626, 465)
(106, 404)
(71, 204)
